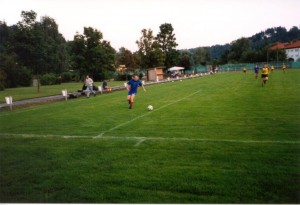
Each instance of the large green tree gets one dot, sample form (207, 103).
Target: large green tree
(201, 56)
(239, 50)
(91, 54)
(31, 47)
(126, 57)
(166, 38)
(150, 53)
(39, 45)
(4, 35)
(167, 43)
(186, 59)
(77, 53)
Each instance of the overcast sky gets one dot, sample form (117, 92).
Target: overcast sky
(195, 22)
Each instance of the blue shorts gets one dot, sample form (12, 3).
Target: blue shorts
(132, 92)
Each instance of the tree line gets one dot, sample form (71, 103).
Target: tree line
(256, 47)
(33, 49)
(36, 49)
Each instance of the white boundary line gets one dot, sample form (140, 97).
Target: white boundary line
(148, 113)
(143, 139)
(140, 142)
(43, 135)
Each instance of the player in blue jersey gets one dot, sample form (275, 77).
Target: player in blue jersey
(132, 87)
(256, 70)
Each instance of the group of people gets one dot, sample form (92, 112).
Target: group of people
(88, 87)
(132, 88)
(264, 72)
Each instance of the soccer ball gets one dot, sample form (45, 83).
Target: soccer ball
(150, 108)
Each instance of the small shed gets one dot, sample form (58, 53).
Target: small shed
(155, 74)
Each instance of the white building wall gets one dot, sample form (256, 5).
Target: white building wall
(293, 53)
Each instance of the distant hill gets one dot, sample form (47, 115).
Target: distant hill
(259, 41)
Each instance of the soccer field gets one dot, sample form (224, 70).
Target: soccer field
(217, 139)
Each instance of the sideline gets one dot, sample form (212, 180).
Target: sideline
(141, 139)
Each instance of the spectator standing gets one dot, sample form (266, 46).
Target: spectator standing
(89, 86)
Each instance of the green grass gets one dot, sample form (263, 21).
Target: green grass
(22, 93)
(217, 139)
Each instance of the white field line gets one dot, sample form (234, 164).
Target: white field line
(43, 135)
(148, 113)
(140, 142)
(143, 139)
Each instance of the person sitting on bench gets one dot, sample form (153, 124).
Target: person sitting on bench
(105, 86)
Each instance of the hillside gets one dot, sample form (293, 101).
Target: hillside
(260, 40)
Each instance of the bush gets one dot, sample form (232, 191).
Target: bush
(2, 79)
(75, 77)
(16, 76)
(70, 77)
(66, 77)
(103, 75)
(109, 75)
(24, 77)
(123, 77)
(49, 79)
(1, 87)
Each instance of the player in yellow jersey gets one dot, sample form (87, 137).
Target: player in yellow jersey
(272, 68)
(264, 75)
(245, 70)
(283, 67)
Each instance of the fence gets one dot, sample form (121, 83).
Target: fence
(197, 69)
(250, 66)
(240, 66)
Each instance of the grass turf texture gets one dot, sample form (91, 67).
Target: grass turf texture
(22, 93)
(217, 139)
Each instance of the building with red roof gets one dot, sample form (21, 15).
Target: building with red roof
(279, 46)
(292, 49)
